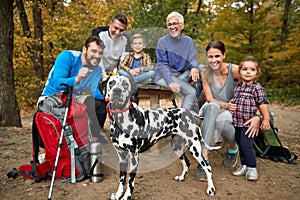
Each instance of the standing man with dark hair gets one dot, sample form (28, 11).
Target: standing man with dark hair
(116, 42)
(82, 71)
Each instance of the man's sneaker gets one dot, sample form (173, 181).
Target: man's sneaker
(200, 174)
(251, 174)
(241, 170)
(231, 159)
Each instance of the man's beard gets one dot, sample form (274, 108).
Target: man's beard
(89, 61)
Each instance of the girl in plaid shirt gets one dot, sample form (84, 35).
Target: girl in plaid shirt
(249, 96)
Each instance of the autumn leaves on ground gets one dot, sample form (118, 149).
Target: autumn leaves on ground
(276, 181)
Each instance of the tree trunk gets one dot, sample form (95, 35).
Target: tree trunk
(197, 12)
(9, 110)
(284, 26)
(38, 46)
(38, 40)
(35, 48)
(53, 4)
(199, 7)
(23, 19)
(25, 26)
(251, 33)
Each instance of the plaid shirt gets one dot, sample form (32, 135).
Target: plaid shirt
(248, 99)
(145, 62)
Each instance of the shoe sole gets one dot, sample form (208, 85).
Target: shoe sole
(231, 165)
(251, 179)
(238, 174)
(202, 179)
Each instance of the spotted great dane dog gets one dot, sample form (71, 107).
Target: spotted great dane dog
(134, 130)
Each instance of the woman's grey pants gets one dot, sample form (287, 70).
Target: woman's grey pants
(214, 119)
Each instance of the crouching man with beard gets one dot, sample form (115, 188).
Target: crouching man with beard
(81, 70)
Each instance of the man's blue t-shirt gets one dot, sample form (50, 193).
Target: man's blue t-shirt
(65, 69)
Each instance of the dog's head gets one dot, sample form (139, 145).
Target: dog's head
(120, 91)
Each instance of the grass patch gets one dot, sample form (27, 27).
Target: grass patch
(284, 96)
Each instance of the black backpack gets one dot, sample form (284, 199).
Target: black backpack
(268, 145)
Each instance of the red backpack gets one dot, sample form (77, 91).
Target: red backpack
(46, 130)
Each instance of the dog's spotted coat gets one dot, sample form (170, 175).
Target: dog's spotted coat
(134, 130)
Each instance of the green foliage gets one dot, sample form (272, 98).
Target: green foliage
(284, 96)
(252, 28)
(150, 20)
(64, 27)
(27, 87)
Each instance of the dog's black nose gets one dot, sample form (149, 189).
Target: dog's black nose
(117, 91)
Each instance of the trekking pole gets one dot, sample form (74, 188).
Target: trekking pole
(68, 103)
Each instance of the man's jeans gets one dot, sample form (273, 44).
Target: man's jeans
(186, 90)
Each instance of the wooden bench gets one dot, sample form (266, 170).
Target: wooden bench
(156, 93)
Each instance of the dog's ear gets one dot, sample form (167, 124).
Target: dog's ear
(134, 88)
(103, 86)
(135, 94)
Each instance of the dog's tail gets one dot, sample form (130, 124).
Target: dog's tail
(210, 147)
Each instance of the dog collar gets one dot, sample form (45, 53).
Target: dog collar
(109, 111)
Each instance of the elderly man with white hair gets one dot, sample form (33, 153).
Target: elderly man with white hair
(176, 62)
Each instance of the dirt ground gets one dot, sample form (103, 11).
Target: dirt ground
(157, 170)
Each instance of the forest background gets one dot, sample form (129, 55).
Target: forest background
(34, 32)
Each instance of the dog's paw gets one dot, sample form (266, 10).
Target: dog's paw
(211, 191)
(179, 178)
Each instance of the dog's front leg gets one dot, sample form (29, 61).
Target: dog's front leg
(123, 161)
(195, 149)
(211, 190)
(134, 161)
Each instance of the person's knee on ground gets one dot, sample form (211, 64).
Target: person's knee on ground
(96, 110)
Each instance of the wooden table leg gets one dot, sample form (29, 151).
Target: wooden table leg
(154, 104)
(154, 101)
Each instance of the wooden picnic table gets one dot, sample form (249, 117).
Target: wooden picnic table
(156, 93)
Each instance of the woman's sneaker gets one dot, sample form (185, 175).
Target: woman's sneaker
(252, 174)
(200, 173)
(231, 158)
(241, 170)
